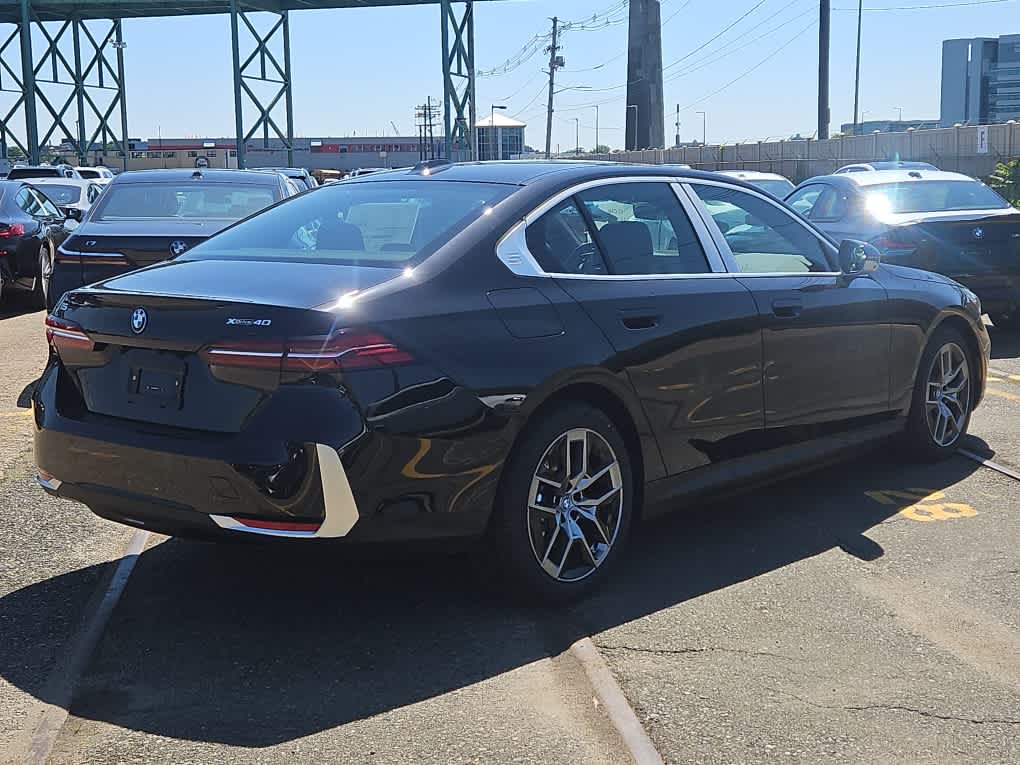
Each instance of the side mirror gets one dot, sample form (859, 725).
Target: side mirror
(72, 213)
(856, 258)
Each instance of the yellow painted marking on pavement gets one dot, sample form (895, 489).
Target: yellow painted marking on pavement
(994, 379)
(1002, 394)
(19, 413)
(922, 504)
(1015, 378)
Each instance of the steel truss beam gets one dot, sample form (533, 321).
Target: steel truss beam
(88, 58)
(261, 66)
(458, 80)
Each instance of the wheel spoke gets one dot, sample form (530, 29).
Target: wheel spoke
(940, 428)
(542, 508)
(591, 514)
(586, 482)
(554, 569)
(600, 500)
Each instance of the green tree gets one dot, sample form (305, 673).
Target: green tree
(1006, 181)
(601, 149)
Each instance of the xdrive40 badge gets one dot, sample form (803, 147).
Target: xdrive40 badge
(249, 322)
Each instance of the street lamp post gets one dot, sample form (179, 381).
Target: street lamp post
(596, 128)
(494, 132)
(900, 110)
(577, 137)
(704, 128)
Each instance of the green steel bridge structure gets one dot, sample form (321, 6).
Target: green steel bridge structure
(62, 63)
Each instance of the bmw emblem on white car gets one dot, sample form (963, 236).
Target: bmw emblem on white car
(178, 247)
(979, 233)
(139, 319)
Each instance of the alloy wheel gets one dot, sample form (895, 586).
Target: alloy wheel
(575, 505)
(947, 394)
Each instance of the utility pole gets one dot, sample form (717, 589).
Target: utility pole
(644, 76)
(824, 10)
(857, 74)
(597, 129)
(577, 136)
(554, 62)
(677, 142)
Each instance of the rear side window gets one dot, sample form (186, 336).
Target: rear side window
(624, 228)
(208, 201)
(819, 202)
(386, 223)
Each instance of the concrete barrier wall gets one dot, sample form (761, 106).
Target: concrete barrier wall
(953, 149)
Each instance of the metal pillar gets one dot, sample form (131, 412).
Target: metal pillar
(81, 60)
(458, 36)
(261, 66)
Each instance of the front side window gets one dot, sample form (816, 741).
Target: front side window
(148, 201)
(803, 200)
(762, 237)
(48, 208)
(384, 223)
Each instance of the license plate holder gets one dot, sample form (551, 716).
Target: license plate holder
(157, 383)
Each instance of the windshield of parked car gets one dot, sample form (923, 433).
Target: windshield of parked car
(777, 188)
(931, 196)
(372, 223)
(148, 201)
(60, 194)
(34, 172)
(84, 172)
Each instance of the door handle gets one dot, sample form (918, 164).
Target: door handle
(635, 321)
(787, 309)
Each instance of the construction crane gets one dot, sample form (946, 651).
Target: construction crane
(395, 131)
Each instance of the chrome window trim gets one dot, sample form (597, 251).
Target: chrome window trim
(724, 246)
(512, 248)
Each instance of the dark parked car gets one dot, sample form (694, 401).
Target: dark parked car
(42, 171)
(146, 216)
(534, 354)
(31, 230)
(943, 222)
(299, 175)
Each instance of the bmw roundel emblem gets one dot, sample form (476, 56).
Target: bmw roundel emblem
(979, 233)
(178, 247)
(139, 319)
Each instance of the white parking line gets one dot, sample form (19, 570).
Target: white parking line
(64, 676)
(620, 712)
(989, 463)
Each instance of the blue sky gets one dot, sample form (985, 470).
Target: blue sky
(356, 70)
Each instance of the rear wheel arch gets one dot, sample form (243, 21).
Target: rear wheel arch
(606, 400)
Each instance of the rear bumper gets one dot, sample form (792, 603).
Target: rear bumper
(357, 485)
(999, 293)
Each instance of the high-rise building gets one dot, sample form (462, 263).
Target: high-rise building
(980, 80)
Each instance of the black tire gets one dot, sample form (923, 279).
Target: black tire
(1008, 322)
(514, 531)
(40, 294)
(919, 436)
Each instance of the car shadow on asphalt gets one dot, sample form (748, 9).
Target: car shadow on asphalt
(253, 646)
(14, 304)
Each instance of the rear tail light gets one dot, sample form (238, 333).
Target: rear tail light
(340, 351)
(61, 333)
(8, 230)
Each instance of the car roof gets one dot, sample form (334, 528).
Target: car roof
(208, 175)
(753, 175)
(293, 172)
(905, 175)
(525, 172)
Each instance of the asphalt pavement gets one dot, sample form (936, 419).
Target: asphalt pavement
(867, 612)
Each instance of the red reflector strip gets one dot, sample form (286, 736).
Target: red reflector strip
(96, 261)
(279, 525)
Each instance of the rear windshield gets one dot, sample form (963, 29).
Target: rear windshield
(86, 173)
(383, 223)
(777, 188)
(149, 201)
(60, 194)
(931, 196)
(25, 172)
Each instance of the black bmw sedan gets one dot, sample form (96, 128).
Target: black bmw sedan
(31, 230)
(536, 354)
(146, 216)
